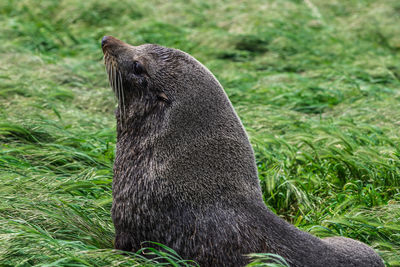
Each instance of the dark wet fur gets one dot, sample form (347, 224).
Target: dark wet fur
(185, 173)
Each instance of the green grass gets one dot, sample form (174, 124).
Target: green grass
(316, 83)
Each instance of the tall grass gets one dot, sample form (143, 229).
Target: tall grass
(316, 84)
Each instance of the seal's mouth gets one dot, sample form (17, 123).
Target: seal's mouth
(114, 75)
(108, 45)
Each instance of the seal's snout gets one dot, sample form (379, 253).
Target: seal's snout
(108, 41)
(104, 40)
(112, 45)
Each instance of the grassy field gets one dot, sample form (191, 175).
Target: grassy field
(316, 84)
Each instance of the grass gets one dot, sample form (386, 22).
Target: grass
(316, 84)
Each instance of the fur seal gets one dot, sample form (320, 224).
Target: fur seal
(185, 173)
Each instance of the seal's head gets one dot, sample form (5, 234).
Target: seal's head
(153, 80)
(131, 71)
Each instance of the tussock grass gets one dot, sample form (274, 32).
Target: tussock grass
(316, 84)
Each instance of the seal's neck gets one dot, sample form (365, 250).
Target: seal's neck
(136, 136)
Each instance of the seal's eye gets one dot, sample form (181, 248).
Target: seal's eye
(137, 68)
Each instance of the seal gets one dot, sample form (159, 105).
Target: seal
(185, 173)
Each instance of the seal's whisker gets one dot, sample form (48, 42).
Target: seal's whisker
(118, 93)
(113, 79)
(109, 75)
(110, 80)
(115, 89)
(113, 82)
(120, 101)
(107, 64)
(122, 93)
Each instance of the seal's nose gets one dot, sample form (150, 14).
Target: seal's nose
(104, 40)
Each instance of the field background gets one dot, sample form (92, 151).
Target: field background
(316, 84)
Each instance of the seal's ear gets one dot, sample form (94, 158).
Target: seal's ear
(163, 97)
